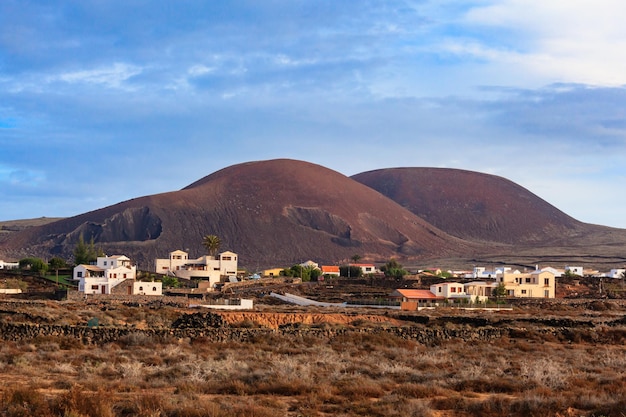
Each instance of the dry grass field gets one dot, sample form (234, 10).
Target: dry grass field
(363, 372)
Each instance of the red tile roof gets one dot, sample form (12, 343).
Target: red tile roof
(417, 294)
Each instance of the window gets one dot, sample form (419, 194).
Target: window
(154, 289)
(546, 281)
(165, 268)
(140, 288)
(546, 293)
(95, 287)
(439, 289)
(105, 263)
(226, 258)
(79, 274)
(124, 276)
(452, 289)
(527, 280)
(523, 291)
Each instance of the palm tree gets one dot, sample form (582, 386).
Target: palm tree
(212, 244)
(356, 258)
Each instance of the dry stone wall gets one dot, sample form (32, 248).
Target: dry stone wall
(428, 335)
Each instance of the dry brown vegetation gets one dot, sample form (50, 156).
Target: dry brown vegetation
(354, 374)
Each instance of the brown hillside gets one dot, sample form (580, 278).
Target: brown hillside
(272, 213)
(486, 208)
(472, 205)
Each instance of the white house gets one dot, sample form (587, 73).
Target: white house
(480, 272)
(448, 290)
(310, 264)
(147, 288)
(473, 291)
(554, 271)
(108, 272)
(575, 270)
(210, 268)
(9, 265)
(367, 268)
(616, 273)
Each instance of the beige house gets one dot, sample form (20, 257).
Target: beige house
(536, 284)
(210, 268)
(479, 290)
(273, 272)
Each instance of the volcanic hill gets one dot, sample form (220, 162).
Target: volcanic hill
(494, 210)
(275, 212)
(472, 205)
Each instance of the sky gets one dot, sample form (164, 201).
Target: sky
(102, 101)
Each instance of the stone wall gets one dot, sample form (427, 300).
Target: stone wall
(422, 334)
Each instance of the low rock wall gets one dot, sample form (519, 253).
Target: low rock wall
(420, 334)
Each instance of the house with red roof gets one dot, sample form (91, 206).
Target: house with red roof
(330, 270)
(411, 299)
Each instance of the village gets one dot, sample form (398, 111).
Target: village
(215, 272)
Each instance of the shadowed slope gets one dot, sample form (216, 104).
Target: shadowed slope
(270, 212)
(474, 206)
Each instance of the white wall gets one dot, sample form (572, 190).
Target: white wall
(148, 288)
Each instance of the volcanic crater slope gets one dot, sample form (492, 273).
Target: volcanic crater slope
(270, 212)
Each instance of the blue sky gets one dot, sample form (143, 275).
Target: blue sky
(106, 100)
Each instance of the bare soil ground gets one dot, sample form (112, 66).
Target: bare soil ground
(556, 358)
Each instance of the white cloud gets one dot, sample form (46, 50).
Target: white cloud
(559, 40)
(199, 70)
(111, 76)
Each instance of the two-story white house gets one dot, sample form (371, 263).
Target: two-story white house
(108, 272)
(448, 290)
(209, 268)
(473, 291)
